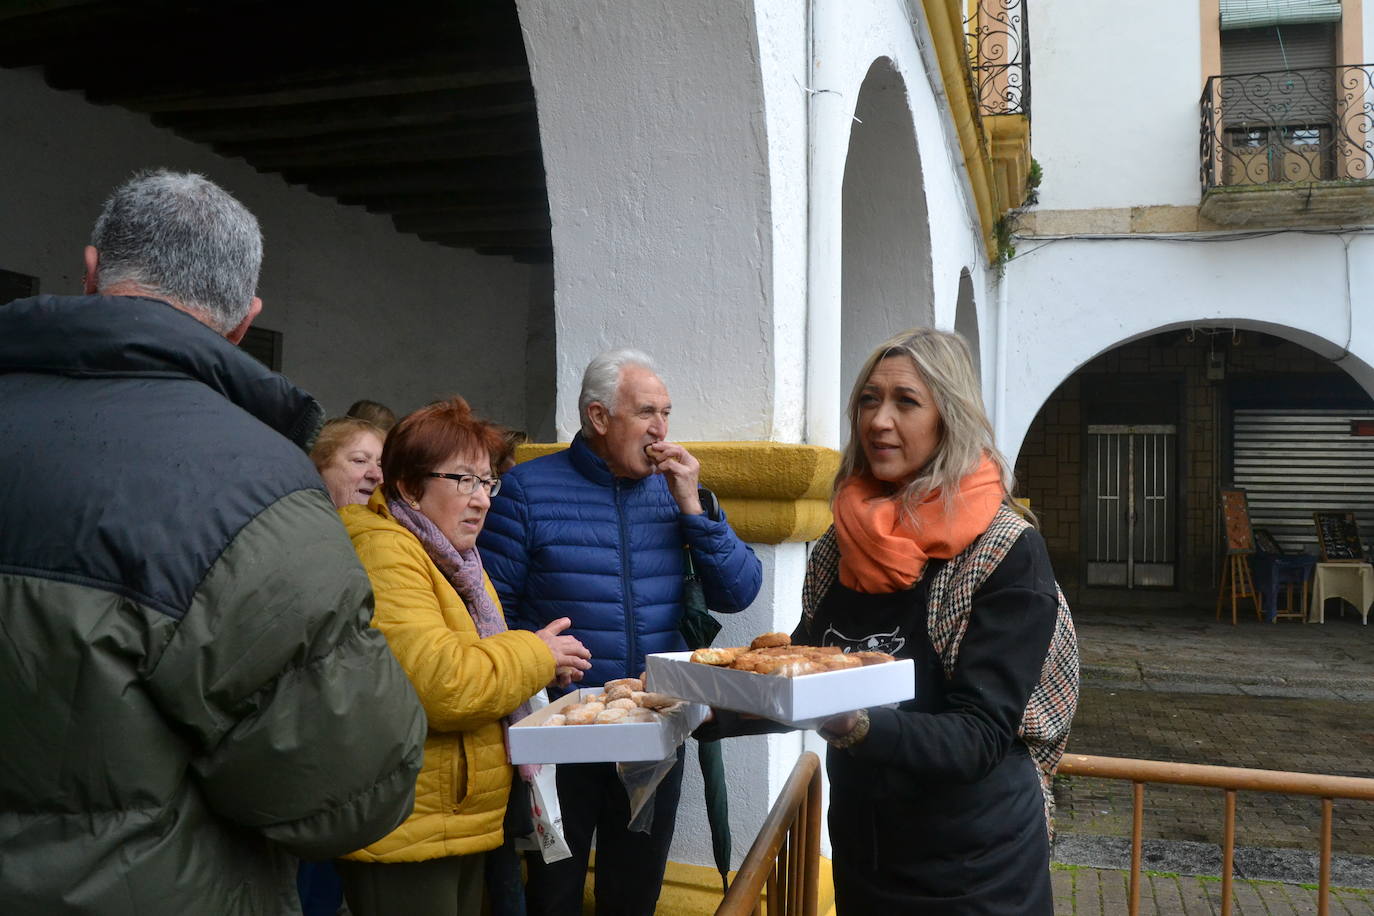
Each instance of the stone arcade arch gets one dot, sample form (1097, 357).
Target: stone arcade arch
(1161, 408)
(886, 271)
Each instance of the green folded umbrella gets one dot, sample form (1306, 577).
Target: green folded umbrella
(699, 628)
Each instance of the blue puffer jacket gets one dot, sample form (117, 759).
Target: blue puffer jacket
(566, 538)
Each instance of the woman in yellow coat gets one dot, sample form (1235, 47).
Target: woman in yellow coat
(442, 618)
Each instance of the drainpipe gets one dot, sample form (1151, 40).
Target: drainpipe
(999, 407)
(824, 210)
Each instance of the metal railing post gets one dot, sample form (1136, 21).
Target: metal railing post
(1232, 780)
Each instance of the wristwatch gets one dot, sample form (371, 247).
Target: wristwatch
(856, 734)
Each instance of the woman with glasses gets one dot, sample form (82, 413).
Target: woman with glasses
(416, 538)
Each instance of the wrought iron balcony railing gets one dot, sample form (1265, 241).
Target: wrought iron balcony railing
(1314, 124)
(999, 54)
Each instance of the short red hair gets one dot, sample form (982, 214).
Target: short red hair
(430, 436)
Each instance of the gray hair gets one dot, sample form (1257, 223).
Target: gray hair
(184, 238)
(601, 381)
(943, 360)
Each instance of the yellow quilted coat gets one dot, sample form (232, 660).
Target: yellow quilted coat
(467, 684)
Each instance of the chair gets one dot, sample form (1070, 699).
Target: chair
(1274, 568)
(1350, 581)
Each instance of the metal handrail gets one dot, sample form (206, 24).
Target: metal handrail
(1232, 780)
(783, 865)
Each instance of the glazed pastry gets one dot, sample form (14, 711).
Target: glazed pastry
(623, 703)
(608, 716)
(634, 683)
(770, 640)
(872, 658)
(654, 700)
(583, 714)
(719, 656)
(556, 719)
(619, 692)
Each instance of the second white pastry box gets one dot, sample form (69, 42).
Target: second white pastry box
(531, 741)
(802, 702)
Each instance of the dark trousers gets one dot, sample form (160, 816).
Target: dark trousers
(450, 886)
(629, 865)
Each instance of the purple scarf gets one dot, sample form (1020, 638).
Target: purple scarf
(463, 570)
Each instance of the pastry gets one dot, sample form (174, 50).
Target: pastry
(721, 656)
(872, 658)
(556, 719)
(769, 640)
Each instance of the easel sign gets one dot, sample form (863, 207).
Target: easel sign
(1339, 537)
(1236, 513)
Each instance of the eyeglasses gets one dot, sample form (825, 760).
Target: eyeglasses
(467, 483)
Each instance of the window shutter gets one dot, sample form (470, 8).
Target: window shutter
(1252, 14)
(1290, 48)
(1295, 95)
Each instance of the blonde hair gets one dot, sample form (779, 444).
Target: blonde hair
(337, 433)
(943, 361)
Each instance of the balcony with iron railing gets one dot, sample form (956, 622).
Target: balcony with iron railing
(1289, 147)
(997, 44)
(998, 38)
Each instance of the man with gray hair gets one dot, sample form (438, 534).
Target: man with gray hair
(596, 534)
(192, 688)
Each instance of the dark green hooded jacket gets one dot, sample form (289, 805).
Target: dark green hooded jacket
(189, 687)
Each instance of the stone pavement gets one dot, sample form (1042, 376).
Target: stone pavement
(1175, 685)
(1080, 891)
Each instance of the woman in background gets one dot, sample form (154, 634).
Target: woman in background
(416, 538)
(348, 455)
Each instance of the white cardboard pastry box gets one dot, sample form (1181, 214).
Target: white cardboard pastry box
(531, 741)
(801, 702)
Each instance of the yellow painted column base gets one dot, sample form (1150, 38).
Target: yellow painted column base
(773, 492)
(691, 890)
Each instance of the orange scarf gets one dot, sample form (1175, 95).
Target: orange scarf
(882, 551)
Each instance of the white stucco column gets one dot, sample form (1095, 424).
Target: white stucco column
(652, 125)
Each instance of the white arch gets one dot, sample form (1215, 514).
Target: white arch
(850, 35)
(886, 274)
(966, 318)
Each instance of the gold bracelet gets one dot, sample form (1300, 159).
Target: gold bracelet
(856, 734)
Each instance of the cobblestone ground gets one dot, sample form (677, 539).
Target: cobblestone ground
(1273, 733)
(1100, 892)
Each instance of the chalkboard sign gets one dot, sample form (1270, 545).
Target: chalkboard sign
(1236, 515)
(1339, 536)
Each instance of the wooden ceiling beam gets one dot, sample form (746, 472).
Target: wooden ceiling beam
(520, 255)
(515, 238)
(490, 137)
(351, 184)
(469, 220)
(321, 118)
(422, 201)
(304, 88)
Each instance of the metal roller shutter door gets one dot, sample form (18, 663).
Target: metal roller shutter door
(1292, 463)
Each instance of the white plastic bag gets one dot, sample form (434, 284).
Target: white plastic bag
(548, 818)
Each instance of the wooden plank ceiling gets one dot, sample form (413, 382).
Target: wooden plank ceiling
(418, 109)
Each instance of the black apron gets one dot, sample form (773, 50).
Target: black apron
(902, 844)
